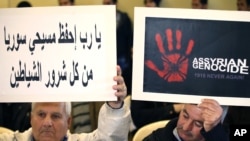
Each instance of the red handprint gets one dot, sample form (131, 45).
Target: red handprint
(175, 65)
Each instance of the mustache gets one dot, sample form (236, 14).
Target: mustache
(187, 133)
(46, 130)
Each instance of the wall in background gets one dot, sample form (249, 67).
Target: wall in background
(128, 5)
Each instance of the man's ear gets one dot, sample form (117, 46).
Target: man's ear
(31, 116)
(69, 121)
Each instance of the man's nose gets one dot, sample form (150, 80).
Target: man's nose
(47, 122)
(188, 125)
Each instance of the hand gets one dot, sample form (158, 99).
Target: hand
(211, 113)
(121, 88)
(175, 62)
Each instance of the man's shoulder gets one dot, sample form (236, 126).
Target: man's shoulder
(170, 126)
(163, 133)
(26, 135)
(18, 136)
(122, 13)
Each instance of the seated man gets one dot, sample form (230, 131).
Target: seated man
(50, 121)
(201, 122)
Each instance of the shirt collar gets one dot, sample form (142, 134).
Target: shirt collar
(65, 138)
(176, 134)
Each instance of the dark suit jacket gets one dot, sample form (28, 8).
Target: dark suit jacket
(218, 133)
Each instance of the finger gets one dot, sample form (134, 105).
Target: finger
(121, 91)
(119, 80)
(210, 104)
(120, 86)
(208, 109)
(119, 70)
(178, 39)
(159, 43)
(190, 47)
(206, 100)
(207, 112)
(170, 39)
(213, 120)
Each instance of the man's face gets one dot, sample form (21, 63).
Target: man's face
(150, 3)
(190, 123)
(242, 5)
(49, 121)
(196, 4)
(65, 2)
(107, 2)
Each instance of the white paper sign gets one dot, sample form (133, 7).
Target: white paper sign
(57, 53)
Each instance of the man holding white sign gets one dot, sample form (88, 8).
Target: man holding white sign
(50, 121)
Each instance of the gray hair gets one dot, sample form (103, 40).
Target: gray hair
(67, 106)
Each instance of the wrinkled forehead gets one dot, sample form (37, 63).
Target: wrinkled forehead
(191, 107)
(55, 106)
(192, 110)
